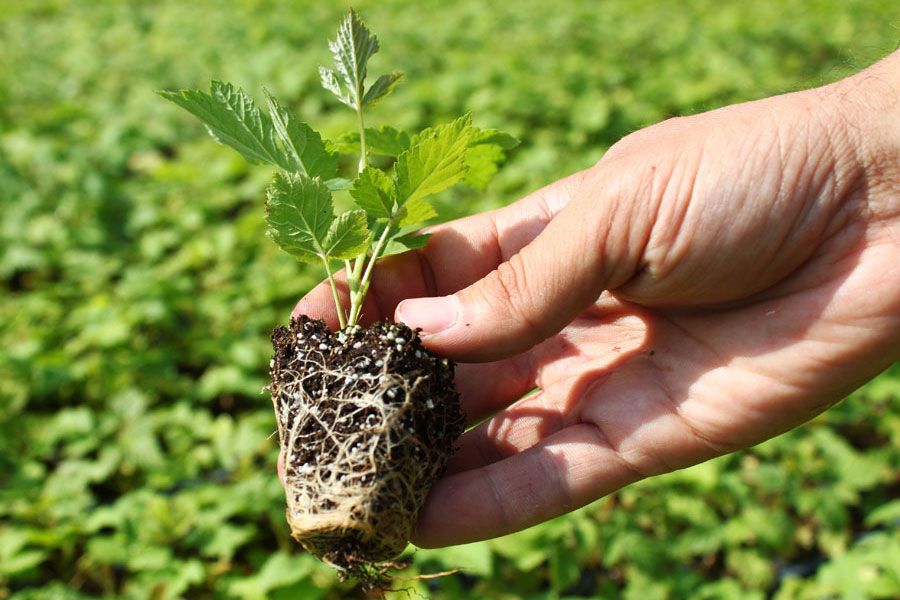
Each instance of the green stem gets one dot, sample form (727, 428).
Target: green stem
(358, 291)
(334, 292)
(356, 307)
(362, 137)
(348, 268)
(357, 297)
(357, 270)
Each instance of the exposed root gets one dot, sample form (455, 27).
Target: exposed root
(366, 421)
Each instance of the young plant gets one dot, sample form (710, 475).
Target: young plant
(300, 213)
(366, 418)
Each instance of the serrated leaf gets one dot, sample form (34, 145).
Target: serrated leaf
(352, 48)
(232, 118)
(347, 143)
(434, 162)
(482, 162)
(414, 212)
(485, 153)
(373, 192)
(302, 144)
(348, 236)
(385, 140)
(299, 213)
(403, 243)
(381, 88)
(330, 83)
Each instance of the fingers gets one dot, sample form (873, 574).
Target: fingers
(565, 471)
(557, 451)
(536, 291)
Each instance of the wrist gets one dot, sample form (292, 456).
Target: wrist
(866, 107)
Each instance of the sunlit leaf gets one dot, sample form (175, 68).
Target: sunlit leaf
(303, 145)
(301, 220)
(374, 193)
(234, 119)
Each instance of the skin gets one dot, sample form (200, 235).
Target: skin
(713, 281)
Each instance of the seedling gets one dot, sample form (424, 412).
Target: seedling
(391, 206)
(366, 418)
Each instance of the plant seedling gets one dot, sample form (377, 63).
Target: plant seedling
(366, 417)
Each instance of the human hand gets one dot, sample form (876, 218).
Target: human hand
(713, 281)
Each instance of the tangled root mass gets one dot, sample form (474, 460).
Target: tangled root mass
(366, 420)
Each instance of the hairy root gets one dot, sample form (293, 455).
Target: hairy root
(366, 420)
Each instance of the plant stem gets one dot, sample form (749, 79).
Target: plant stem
(362, 138)
(364, 282)
(357, 297)
(334, 292)
(357, 291)
(348, 268)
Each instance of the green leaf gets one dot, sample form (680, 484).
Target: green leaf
(482, 162)
(299, 213)
(107, 549)
(751, 566)
(14, 556)
(352, 49)
(412, 213)
(330, 83)
(493, 137)
(339, 183)
(403, 243)
(226, 539)
(886, 514)
(472, 559)
(384, 140)
(280, 569)
(22, 562)
(232, 118)
(381, 88)
(303, 145)
(563, 570)
(148, 557)
(348, 236)
(434, 162)
(486, 152)
(373, 192)
(387, 140)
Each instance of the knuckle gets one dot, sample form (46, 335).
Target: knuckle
(512, 289)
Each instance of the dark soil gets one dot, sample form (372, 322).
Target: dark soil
(366, 420)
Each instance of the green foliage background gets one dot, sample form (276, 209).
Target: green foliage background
(137, 293)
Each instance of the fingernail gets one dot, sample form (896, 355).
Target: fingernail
(431, 315)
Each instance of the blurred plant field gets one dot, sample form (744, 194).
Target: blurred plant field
(137, 294)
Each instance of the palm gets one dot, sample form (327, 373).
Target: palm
(627, 392)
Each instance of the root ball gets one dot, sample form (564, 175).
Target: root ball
(366, 420)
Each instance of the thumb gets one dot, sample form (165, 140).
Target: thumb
(536, 292)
